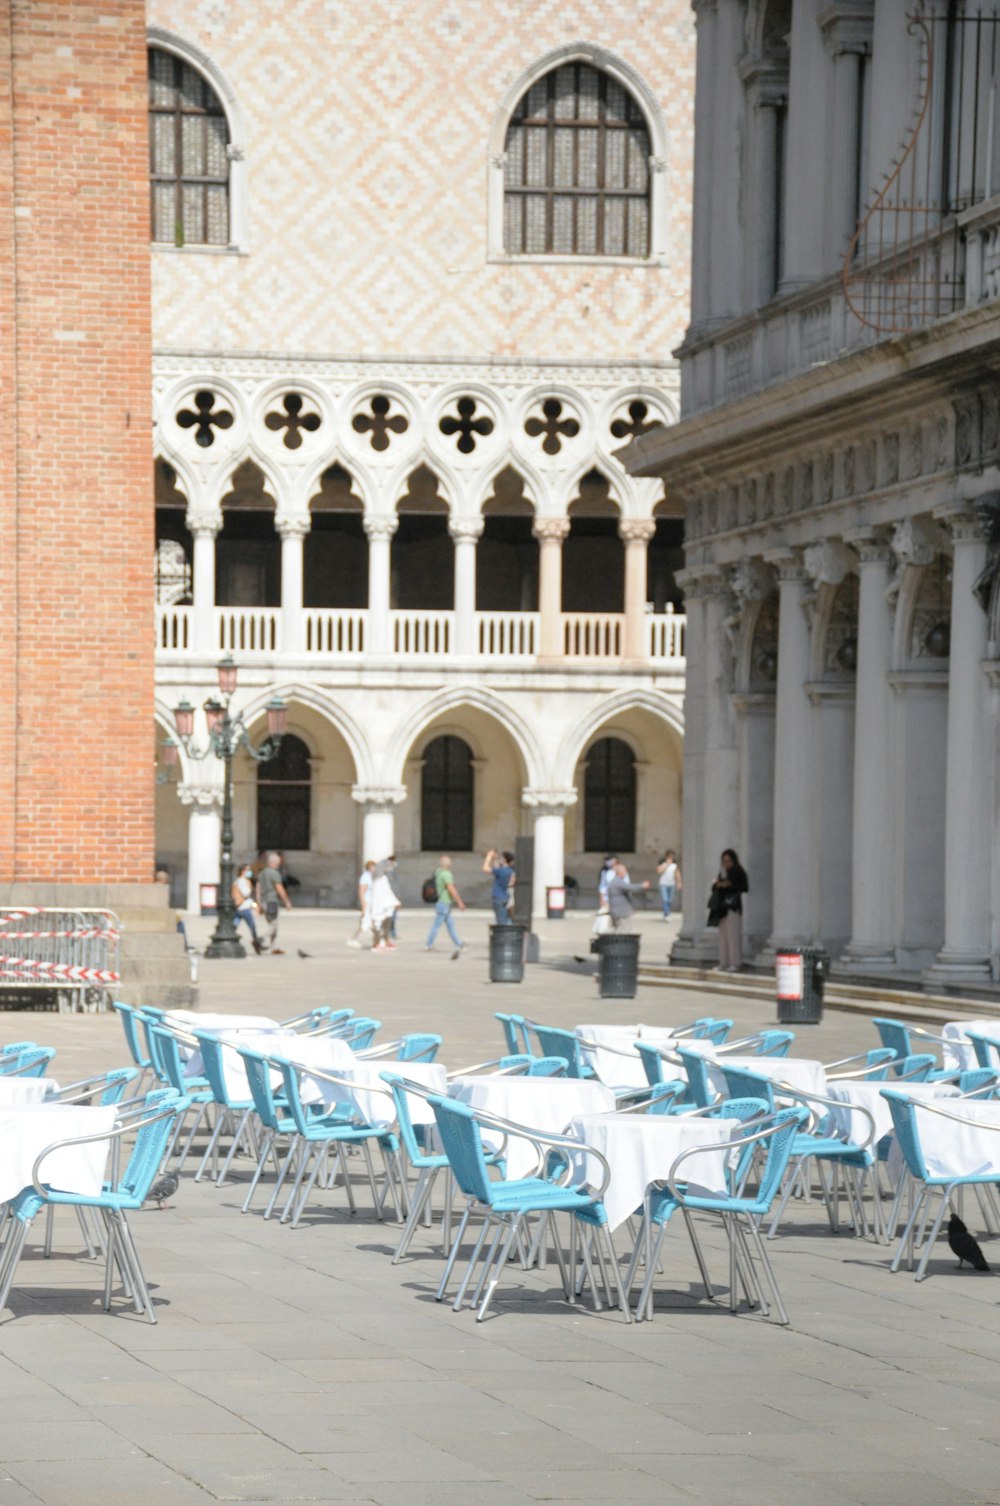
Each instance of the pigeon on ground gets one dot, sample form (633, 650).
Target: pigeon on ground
(161, 1190)
(964, 1246)
(304, 954)
(581, 960)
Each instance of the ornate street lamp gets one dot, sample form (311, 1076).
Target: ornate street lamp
(226, 735)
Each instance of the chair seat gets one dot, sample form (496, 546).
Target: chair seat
(534, 1192)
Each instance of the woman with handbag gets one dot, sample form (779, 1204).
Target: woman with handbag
(725, 910)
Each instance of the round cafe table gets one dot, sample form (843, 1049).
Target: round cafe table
(539, 1103)
(26, 1130)
(617, 1071)
(641, 1149)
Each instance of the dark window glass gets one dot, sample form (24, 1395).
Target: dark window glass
(284, 794)
(609, 797)
(446, 796)
(188, 155)
(576, 168)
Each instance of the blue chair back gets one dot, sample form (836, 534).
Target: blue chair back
(419, 1048)
(126, 1014)
(462, 1143)
(548, 1066)
(652, 1062)
(880, 1056)
(259, 1077)
(359, 1033)
(212, 1062)
(917, 1068)
(709, 1029)
(150, 1146)
(986, 1047)
(741, 1082)
(169, 1053)
(775, 1042)
(554, 1042)
(977, 1079)
(666, 1096)
(699, 1087)
(779, 1147)
(893, 1033)
(31, 1062)
(117, 1081)
(515, 1033)
(407, 1133)
(904, 1122)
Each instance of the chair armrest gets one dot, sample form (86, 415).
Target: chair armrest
(541, 1138)
(114, 1133)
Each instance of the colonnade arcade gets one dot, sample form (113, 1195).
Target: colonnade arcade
(839, 712)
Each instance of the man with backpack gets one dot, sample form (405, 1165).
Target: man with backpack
(447, 897)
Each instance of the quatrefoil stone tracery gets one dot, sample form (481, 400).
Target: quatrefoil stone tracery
(466, 426)
(638, 422)
(204, 418)
(380, 423)
(552, 425)
(293, 421)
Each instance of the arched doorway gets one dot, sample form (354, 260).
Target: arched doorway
(609, 797)
(247, 550)
(593, 571)
(284, 798)
(447, 788)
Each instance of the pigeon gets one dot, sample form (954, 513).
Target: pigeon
(303, 954)
(964, 1246)
(161, 1190)
(582, 960)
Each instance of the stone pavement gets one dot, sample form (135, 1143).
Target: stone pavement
(301, 1366)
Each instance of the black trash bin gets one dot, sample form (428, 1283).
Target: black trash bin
(800, 976)
(619, 964)
(507, 953)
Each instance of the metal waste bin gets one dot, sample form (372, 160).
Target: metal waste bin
(619, 965)
(555, 902)
(800, 975)
(507, 953)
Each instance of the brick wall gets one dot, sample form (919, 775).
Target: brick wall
(76, 646)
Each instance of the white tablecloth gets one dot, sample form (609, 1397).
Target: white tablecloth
(623, 1071)
(26, 1130)
(375, 1108)
(200, 1019)
(17, 1090)
(642, 1148)
(798, 1071)
(326, 1052)
(850, 1126)
(961, 1150)
(540, 1103)
(958, 1052)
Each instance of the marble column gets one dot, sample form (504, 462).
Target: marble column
(968, 840)
(293, 532)
(378, 637)
(872, 854)
(548, 809)
(465, 533)
(378, 819)
(550, 533)
(635, 534)
(706, 28)
(204, 837)
(204, 637)
(794, 854)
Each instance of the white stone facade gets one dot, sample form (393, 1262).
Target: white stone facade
(366, 263)
(838, 462)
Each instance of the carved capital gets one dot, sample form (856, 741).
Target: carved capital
(871, 545)
(550, 530)
(548, 802)
(636, 530)
(918, 541)
(382, 526)
(292, 527)
(964, 522)
(751, 580)
(203, 795)
(702, 580)
(204, 525)
(378, 796)
(829, 562)
(465, 530)
(786, 563)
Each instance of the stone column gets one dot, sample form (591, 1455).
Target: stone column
(794, 858)
(378, 638)
(204, 837)
(203, 531)
(549, 809)
(293, 532)
(636, 534)
(711, 756)
(708, 62)
(378, 819)
(965, 956)
(550, 533)
(872, 856)
(767, 94)
(465, 532)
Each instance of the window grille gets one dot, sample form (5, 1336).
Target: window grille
(609, 797)
(576, 168)
(284, 798)
(446, 796)
(188, 155)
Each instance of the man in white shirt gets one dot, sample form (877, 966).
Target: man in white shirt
(365, 883)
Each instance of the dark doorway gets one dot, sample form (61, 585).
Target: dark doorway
(284, 798)
(446, 791)
(664, 559)
(609, 797)
(247, 550)
(507, 566)
(593, 561)
(335, 556)
(423, 556)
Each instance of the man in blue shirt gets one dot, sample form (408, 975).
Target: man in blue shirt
(501, 865)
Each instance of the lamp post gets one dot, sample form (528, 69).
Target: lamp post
(226, 735)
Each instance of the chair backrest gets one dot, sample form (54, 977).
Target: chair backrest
(31, 1062)
(978, 1079)
(986, 1047)
(652, 1062)
(788, 1123)
(462, 1143)
(709, 1029)
(548, 1066)
(419, 1048)
(893, 1033)
(15, 1048)
(150, 1144)
(290, 1081)
(169, 1052)
(117, 1081)
(259, 1077)
(407, 1133)
(148, 1020)
(326, 1021)
(775, 1042)
(743, 1083)
(665, 1096)
(126, 1014)
(359, 1032)
(515, 1033)
(554, 1042)
(880, 1056)
(917, 1068)
(699, 1087)
(743, 1109)
(904, 1122)
(212, 1061)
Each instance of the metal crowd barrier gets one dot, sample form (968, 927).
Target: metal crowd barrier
(64, 959)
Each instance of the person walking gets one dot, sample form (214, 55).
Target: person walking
(620, 902)
(501, 865)
(670, 881)
(271, 896)
(384, 905)
(447, 897)
(242, 892)
(725, 909)
(364, 892)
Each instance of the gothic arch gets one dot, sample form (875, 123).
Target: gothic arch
(309, 695)
(601, 719)
(419, 720)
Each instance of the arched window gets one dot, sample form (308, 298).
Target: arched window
(284, 801)
(188, 155)
(609, 797)
(446, 796)
(577, 168)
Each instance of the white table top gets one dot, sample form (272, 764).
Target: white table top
(958, 1052)
(26, 1130)
(642, 1148)
(850, 1126)
(326, 1052)
(797, 1071)
(622, 1071)
(969, 1149)
(539, 1103)
(200, 1019)
(19, 1090)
